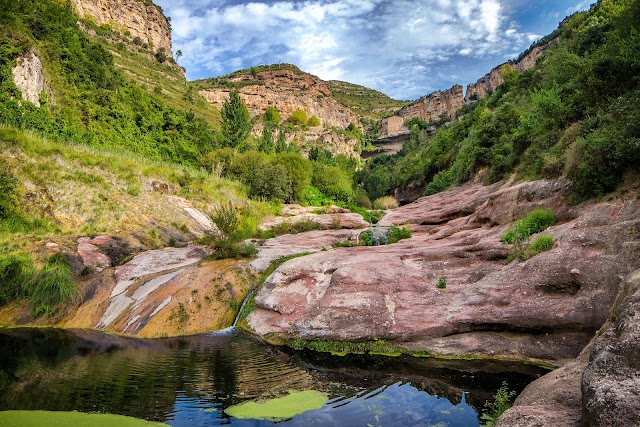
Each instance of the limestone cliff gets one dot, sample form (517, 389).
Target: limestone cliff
(28, 76)
(287, 90)
(493, 79)
(141, 18)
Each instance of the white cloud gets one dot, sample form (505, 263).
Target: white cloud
(391, 46)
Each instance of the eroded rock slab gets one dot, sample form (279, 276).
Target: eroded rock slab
(546, 308)
(291, 244)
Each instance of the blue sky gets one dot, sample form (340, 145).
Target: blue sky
(405, 49)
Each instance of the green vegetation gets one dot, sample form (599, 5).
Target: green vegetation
(288, 227)
(441, 283)
(228, 244)
(236, 122)
(280, 408)
(501, 403)
(575, 113)
(90, 101)
(299, 117)
(518, 234)
(535, 221)
(365, 101)
(69, 419)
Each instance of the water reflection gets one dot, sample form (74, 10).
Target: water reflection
(190, 381)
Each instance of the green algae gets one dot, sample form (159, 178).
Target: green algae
(69, 419)
(280, 408)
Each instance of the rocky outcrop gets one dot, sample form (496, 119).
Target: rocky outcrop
(611, 380)
(164, 292)
(142, 19)
(490, 82)
(28, 76)
(546, 308)
(287, 91)
(430, 108)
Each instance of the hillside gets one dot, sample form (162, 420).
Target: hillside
(574, 113)
(367, 102)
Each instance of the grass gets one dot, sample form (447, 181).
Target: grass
(52, 286)
(502, 402)
(288, 227)
(363, 100)
(535, 221)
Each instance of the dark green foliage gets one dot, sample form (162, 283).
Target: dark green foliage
(266, 144)
(589, 78)
(271, 115)
(236, 122)
(534, 222)
(441, 283)
(397, 234)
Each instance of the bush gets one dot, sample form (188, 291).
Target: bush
(271, 115)
(541, 244)
(299, 117)
(398, 234)
(362, 200)
(313, 121)
(332, 181)
(384, 236)
(300, 226)
(534, 222)
(441, 283)
(386, 202)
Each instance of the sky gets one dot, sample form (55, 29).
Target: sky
(406, 49)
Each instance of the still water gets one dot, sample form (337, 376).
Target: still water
(190, 381)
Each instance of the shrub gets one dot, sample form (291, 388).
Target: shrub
(332, 181)
(313, 121)
(384, 236)
(271, 115)
(362, 200)
(386, 202)
(541, 244)
(300, 226)
(398, 234)
(441, 283)
(534, 222)
(299, 117)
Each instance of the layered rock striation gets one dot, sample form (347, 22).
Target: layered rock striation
(142, 19)
(546, 308)
(287, 91)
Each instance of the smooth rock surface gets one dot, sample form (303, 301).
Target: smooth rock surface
(537, 309)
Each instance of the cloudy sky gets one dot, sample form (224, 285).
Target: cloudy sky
(405, 49)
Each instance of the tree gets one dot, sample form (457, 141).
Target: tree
(178, 54)
(266, 142)
(281, 142)
(271, 115)
(236, 122)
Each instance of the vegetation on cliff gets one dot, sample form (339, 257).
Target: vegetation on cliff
(575, 113)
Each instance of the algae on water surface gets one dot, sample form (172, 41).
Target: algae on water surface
(281, 408)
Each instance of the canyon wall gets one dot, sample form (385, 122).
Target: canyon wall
(287, 91)
(142, 19)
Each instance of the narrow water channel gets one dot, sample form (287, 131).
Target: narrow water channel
(191, 381)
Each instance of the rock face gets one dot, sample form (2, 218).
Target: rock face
(490, 82)
(141, 18)
(164, 292)
(546, 308)
(611, 380)
(287, 91)
(428, 108)
(28, 76)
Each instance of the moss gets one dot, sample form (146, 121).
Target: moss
(70, 419)
(384, 348)
(281, 408)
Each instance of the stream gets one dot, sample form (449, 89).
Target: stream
(191, 381)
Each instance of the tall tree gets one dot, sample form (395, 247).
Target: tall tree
(236, 122)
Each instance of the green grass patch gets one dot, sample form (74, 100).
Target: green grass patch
(535, 221)
(280, 408)
(69, 419)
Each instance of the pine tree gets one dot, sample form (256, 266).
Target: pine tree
(236, 122)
